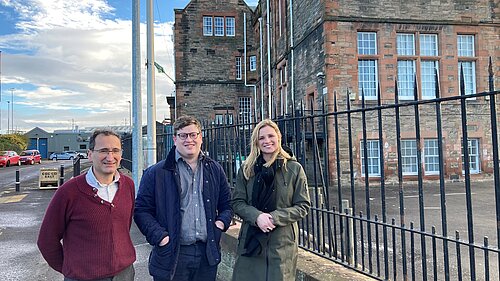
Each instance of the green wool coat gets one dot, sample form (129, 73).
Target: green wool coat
(279, 260)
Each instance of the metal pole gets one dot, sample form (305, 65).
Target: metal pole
(12, 109)
(130, 115)
(18, 183)
(137, 155)
(268, 26)
(8, 117)
(151, 108)
(61, 176)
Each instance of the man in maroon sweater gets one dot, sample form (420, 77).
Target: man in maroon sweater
(85, 234)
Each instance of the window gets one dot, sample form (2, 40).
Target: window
(367, 78)
(219, 26)
(373, 157)
(238, 68)
(474, 163)
(428, 45)
(406, 44)
(406, 79)
(207, 26)
(253, 63)
(230, 26)
(431, 156)
(224, 119)
(466, 56)
(367, 43)
(367, 66)
(245, 110)
(83, 146)
(409, 157)
(428, 70)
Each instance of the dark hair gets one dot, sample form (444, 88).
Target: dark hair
(106, 132)
(185, 121)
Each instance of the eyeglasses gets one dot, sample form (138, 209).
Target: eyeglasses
(106, 151)
(193, 135)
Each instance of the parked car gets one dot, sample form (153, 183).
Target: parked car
(79, 154)
(65, 155)
(9, 158)
(30, 157)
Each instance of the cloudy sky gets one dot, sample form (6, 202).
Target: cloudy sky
(67, 63)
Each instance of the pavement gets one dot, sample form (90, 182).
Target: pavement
(21, 215)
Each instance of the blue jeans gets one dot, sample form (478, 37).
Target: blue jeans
(193, 265)
(125, 275)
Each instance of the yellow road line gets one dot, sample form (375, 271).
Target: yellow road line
(12, 199)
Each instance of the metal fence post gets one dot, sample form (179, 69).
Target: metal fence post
(349, 237)
(61, 178)
(18, 183)
(76, 166)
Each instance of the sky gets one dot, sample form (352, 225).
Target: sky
(67, 63)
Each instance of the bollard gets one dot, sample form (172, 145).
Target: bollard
(76, 166)
(61, 178)
(349, 237)
(18, 182)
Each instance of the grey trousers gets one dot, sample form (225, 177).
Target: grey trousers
(127, 274)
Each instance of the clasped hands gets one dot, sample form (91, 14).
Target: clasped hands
(265, 222)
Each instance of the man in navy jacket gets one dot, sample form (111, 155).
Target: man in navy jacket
(182, 207)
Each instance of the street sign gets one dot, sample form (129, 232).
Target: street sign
(49, 178)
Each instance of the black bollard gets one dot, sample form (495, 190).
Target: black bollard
(76, 166)
(18, 183)
(61, 178)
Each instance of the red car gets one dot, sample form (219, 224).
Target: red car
(9, 158)
(31, 157)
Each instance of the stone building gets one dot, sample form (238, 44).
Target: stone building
(298, 48)
(333, 47)
(210, 60)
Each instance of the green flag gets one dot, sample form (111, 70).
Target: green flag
(159, 68)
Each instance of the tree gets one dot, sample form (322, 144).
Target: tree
(16, 142)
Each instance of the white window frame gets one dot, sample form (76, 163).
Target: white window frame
(373, 150)
(429, 45)
(238, 68)
(406, 79)
(465, 45)
(428, 79)
(230, 26)
(405, 44)
(368, 80)
(253, 63)
(409, 159)
(431, 157)
(469, 68)
(219, 26)
(245, 107)
(474, 156)
(208, 26)
(367, 43)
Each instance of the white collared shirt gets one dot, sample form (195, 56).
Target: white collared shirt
(105, 191)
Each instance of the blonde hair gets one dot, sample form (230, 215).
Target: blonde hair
(248, 169)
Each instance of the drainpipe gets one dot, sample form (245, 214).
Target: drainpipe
(261, 73)
(292, 63)
(268, 26)
(245, 64)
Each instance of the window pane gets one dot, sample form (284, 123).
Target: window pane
(428, 78)
(367, 43)
(373, 157)
(253, 63)
(230, 26)
(428, 45)
(469, 70)
(219, 26)
(245, 110)
(406, 44)
(367, 78)
(465, 45)
(238, 68)
(207, 26)
(431, 156)
(406, 79)
(409, 156)
(474, 163)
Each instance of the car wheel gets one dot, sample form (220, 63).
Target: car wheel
(71, 158)
(8, 164)
(32, 162)
(19, 163)
(40, 161)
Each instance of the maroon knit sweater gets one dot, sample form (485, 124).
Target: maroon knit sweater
(95, 234)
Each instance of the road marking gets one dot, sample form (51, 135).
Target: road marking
(12, 199)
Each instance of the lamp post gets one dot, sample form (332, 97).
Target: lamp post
(12, 108)
(8, 117)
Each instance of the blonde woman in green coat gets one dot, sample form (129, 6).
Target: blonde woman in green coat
(271, 195)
